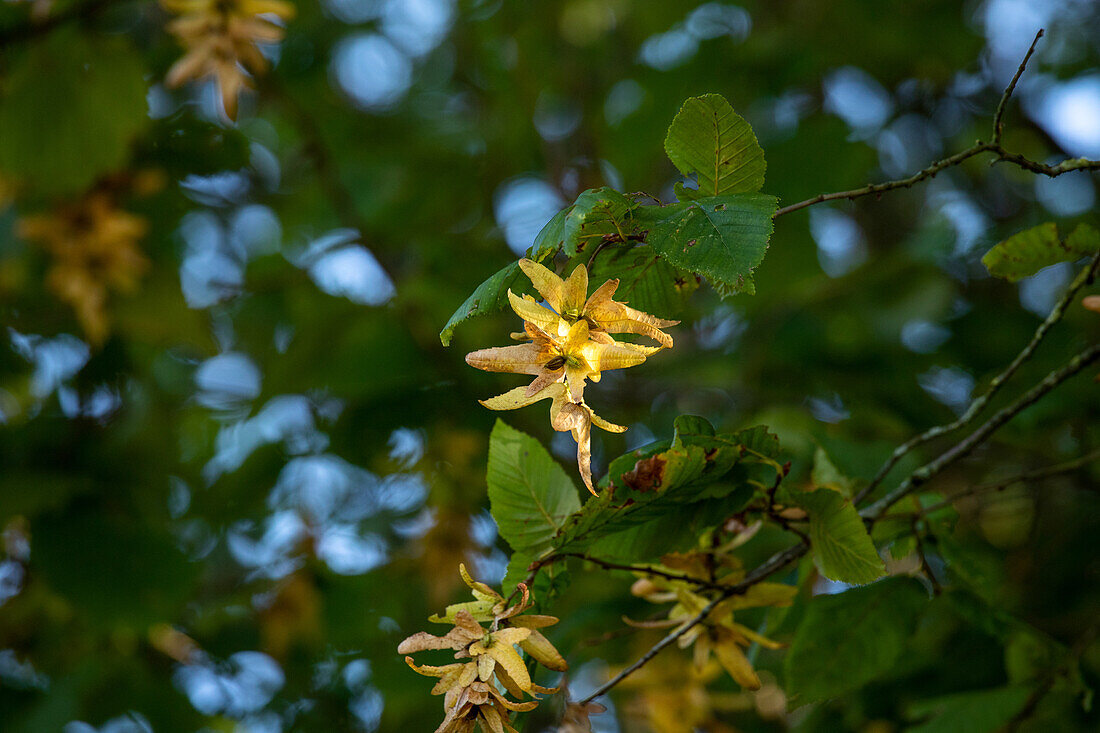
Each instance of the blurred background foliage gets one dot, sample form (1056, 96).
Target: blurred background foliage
(237, 466)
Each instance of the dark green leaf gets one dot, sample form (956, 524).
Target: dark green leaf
(969, 712)
(645, 484)
(708, 139)
(848, 639)
(720, 237)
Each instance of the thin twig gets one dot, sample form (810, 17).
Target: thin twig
(1001, 485)
(645, 569)
(982, 400)
(998, 117)
(1003, 154)
(776, 563)
(936, 589)
(963, 448)
(979, 147)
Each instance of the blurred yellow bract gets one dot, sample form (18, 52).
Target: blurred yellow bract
(567, 345)
(221, 38)
(94, 247)
(718, 633)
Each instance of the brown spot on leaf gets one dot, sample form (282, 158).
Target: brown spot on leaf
(648, 474)
(710, 454)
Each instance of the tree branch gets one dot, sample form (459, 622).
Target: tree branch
(979, 147)
(926, 472)
(645, 569)
(981, 401)
(1002, 484)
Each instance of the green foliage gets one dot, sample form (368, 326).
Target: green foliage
(646, 280)
(1024, 254)
(648, 485)
(597, 214)
(708, 139)
(720, 237)
(69, 111)
(530, 495)
(842, 547)
(850, 638)
(983, 711)
(826, 475)
(152, 503)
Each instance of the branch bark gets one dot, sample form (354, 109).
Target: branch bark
(993, 146)
(963, 448)
(1085, 276)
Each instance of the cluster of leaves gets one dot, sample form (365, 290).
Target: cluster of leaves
(718, 230)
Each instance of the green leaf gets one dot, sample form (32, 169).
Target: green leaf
(551, 238)
(842, 548)
(530, 495)
(70, 111)
(826, 475)
(597, 213)
(492, 295)
(712, 141)
(849, 639)
(646, 280)
(675, 531)
(648, 484)
(969, 712)
(1029, 251)
(489, 297)
(722, 238)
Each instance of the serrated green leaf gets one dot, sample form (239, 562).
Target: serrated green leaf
(597, 213)
(969, 712)
(708, 139)
(645, 484)
(722, 238)
(70, 111)
(842, 548)
(647, 281)
(1024, 254)
(530, 495)
(849, 639)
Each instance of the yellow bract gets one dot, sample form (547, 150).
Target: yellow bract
(222, 39)
(470, 698)
(718, 634)
(94, 248)
(568, 345)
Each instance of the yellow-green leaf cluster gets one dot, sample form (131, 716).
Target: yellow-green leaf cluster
(471, 698)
